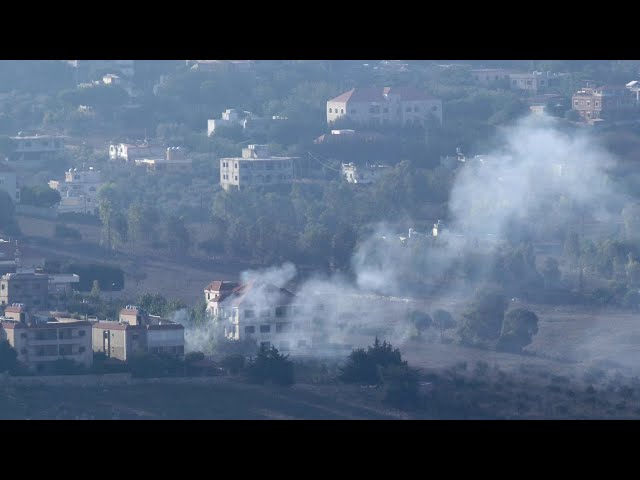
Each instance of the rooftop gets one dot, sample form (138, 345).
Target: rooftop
(380, 94)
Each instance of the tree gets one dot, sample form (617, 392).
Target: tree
(271, 366)
(364, 366)
(178, 239)
(95, 289)
(8, 223)
(420, 320)
(483, 320)
(572, 115)
(39, 196)
(550, 272)
(443, 321)
(518, 329)
(8, 357)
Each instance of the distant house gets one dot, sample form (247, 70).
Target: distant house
(604, 102)
(258, 311)
(247, 120)
(131, 151)
(363, 174)
(136, 331)
(489, 76)
(174, 161)
(256, 167)
(41, 340)
(79, 191)
(36, 147)
(384, 106)
(25, 287)
(534, 82)
(346, 136)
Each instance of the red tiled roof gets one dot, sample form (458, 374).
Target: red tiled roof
(221, 285)
(377, 94)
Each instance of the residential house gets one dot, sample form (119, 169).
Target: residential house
(174, 161)
(36, 147)
(363, 174)
(79, 191)
(490, 76)
(247, 120)
(129, 152)
(137, 332)
(25, 287)
(534, 82)
(256, 167)
(384, 106)
(259, 311)
(604, 102)
(9, 182)
(41, 340)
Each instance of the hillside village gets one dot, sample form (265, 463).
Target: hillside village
(151, 211)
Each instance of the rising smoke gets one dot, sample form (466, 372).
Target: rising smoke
(536, 180)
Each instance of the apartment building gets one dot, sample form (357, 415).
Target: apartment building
(25, 287)
(137, 332)
(41, 340)
(36, 147)
(384, 106)
(490, 76)
(79, 191)
(255, 168)
(174, 161)
(259, 311)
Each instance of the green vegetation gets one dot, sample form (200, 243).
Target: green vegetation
(270, 366)
(39, 196)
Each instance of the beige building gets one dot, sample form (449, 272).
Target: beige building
(79, 191)
(258, 311)
(136, 332)
(255, 168)
(384, 106)
(175, 161)
(603, 102)
(9, 182)
(28, 288)
(40, 341)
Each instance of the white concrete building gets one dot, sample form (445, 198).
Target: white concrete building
(9, 182)
(130, 152)
(363, 174)
(255, 168)
(259, 311)
(79, 191)
(229, 118)
(384, 106)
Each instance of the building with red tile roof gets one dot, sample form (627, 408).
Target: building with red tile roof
(384, 106)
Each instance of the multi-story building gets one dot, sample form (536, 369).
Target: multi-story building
(603, 102)
(79, 191)
(259, 311)
(25, 287)
(255, 168)
(384, 106)
(490, 76)
(36, 147)
(41, 340)
(363, 174)
(130, 152)
(534, 82)
(9, 182)
(136, 332)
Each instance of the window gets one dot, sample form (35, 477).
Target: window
(2, 288)
(23, 335)
(342, 110)
(281, 311)
(236, 164)
(236, 178)
(250, 329)
(330, 110)
(415, 109)
(81, 350)
(385, 110)
(265, 328)
(249, 314)
(82, 333)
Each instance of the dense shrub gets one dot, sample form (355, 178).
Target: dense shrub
(270, 366)
(234, 363)
(149, 365)
(364, 366)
